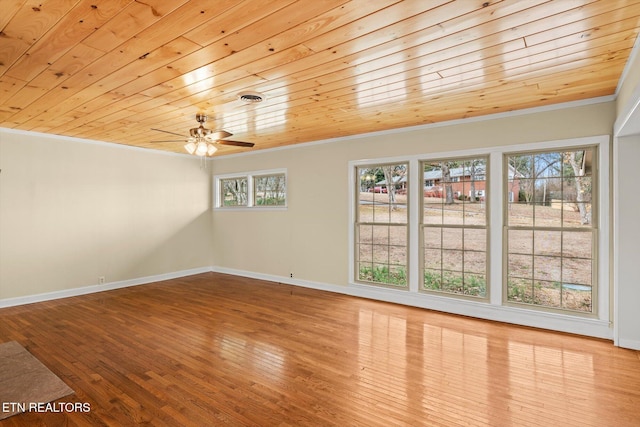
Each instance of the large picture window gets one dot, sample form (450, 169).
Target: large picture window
(512, 233)
(381, 232)
(550, 224)
(454, 226)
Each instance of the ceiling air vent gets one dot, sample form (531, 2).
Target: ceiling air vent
(251, 97)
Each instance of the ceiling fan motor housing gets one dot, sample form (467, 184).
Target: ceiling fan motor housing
(199, 132)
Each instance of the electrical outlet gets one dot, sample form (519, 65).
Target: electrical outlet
(291, 275)
(101, 280)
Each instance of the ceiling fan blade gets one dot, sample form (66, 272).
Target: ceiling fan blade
(219, 134)
(172, 133)
(171, 140)
(236, 143)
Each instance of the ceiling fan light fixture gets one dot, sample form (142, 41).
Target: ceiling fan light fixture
(201, 148)
(190, 147)
(211, 150)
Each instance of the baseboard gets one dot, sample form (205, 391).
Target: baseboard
(538, 319)
(29, 299)
(630, 344)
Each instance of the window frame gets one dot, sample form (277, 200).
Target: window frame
(222, 196)
(597, 325)
(254, 188)
(357, 184)
(594, 230)
(422, 225)
(218, 197)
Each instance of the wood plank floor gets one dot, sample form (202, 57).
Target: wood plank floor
(214, 349)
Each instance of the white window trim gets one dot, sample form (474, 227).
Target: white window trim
(218, 202)
(495, 308)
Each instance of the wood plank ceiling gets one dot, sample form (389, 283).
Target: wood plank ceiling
(110, 70)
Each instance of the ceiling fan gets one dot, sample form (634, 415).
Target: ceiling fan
(201, 141)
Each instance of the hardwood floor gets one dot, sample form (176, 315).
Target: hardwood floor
(214, 349)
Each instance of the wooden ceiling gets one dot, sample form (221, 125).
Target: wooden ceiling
(110, 70)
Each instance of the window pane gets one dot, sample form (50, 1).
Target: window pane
(433, 279)
(433, 259)
(520, 266)
(547, 268)
(452, 281)
(269, 190)
(475, 239)
(576, 271)
(234, 191)
(546, 215)
(474, 262)
(547, 242)
(365, 253)
(432, 237)
(452, 238)
(576, 297)
(546, 293)
(520, 213)
(381, 254)
(432, 208)
(520, 290)
(576, 244)
(520, 241)
(475, 285)
(452, 260)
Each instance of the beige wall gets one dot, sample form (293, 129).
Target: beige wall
(626, 95)
(627, 232)
(72, 211)
(310, 239)
(627, 235)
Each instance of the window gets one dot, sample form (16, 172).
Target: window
(251, 190)
(234, 191)
(517, 236)
(381, 225)
(454, 227)
(269, 190)
(550, 225)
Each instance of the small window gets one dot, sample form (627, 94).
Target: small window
(251, 190)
